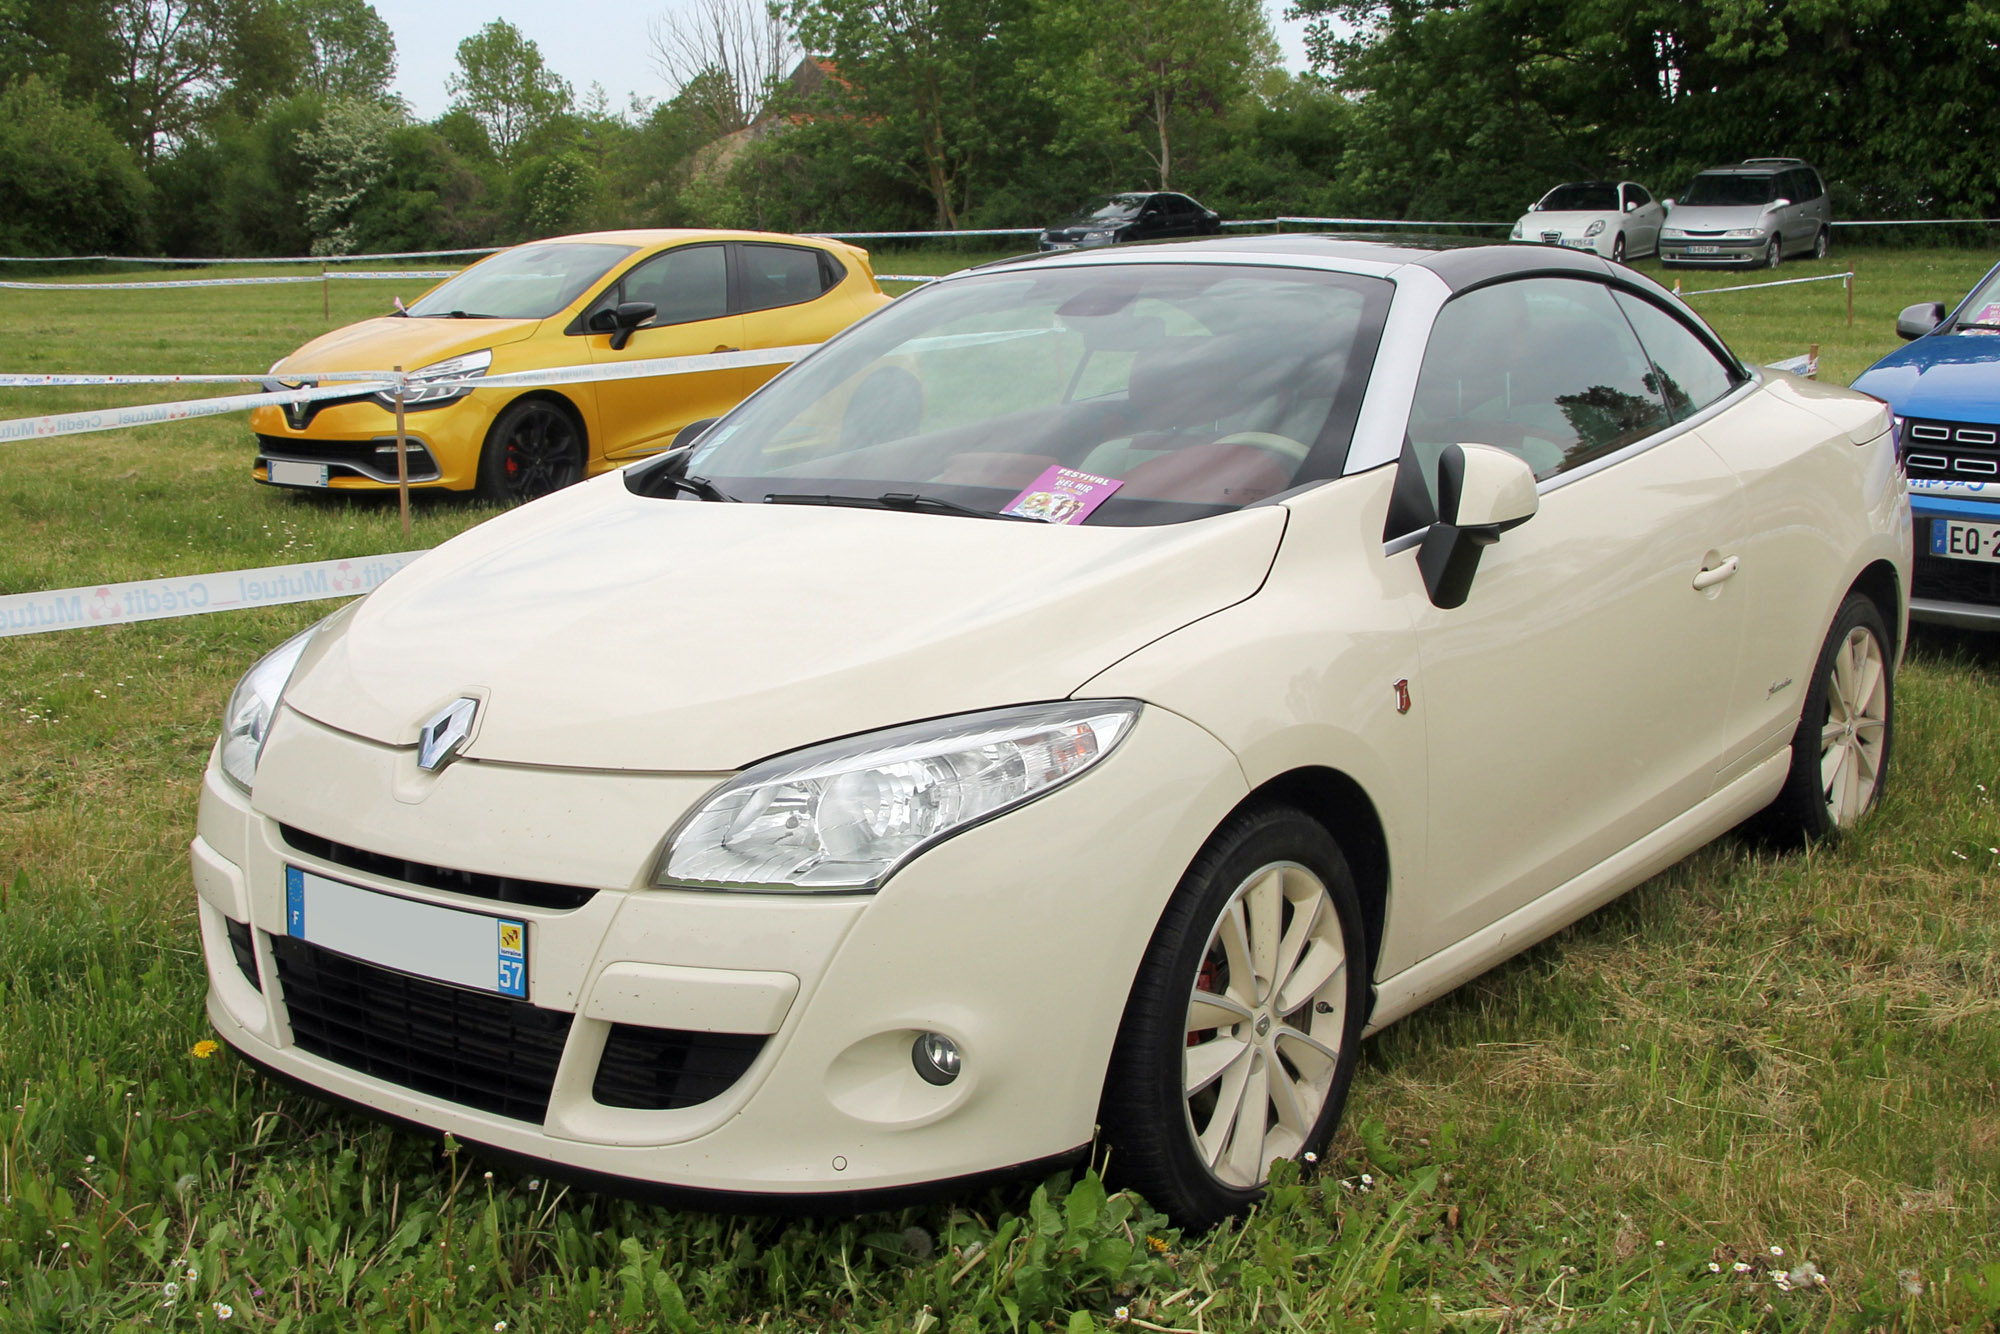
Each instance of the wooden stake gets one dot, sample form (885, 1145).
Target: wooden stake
(402, 459)
(1812, 366)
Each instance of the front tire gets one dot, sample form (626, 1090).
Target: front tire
(1774, 253)
(535, 447)
(1821, 244)
(1840, 753)
(1240, 1037)
(1618, 249)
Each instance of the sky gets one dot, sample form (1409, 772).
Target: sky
(585, 41)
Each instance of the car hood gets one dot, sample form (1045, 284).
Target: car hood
(1953, 377)
(604, 630)
(389, 341)
(1716, 217)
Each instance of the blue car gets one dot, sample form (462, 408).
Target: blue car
(1945, 391)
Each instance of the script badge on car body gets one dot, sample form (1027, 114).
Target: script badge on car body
(440, 739)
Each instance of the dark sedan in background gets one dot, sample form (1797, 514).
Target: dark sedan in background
(1111, 219)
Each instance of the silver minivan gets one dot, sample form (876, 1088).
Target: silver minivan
(1756, 212)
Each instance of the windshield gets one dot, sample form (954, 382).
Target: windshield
(1727, 190)
(1584, 197)
(530, 282)
(1110, 208)
(1116, 394)
(1982, 308)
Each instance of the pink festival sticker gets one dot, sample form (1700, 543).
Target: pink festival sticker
(1062, 495)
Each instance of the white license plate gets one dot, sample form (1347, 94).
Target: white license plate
(286, 473)
(1574, 244)
(467, 949)
(1704, 250)
(1965, 541)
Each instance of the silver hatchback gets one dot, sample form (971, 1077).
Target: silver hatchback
(1757, 212)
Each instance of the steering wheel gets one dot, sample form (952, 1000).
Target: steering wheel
(1289, 451)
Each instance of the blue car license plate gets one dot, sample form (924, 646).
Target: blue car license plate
(1965, 541)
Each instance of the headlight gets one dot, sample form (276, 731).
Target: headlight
(1595, 228)
(1672, 234)
(1740, 232)
(247, 720)
(470, 365)
(843, 816)
(1516, 235)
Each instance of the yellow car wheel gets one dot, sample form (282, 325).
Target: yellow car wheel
(536, 446)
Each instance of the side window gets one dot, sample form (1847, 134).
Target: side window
(1546, 368)
(780, 275)
(1637, 197)
(1687, 374)
(1797, 186)
(691, 283)
(1815, 187)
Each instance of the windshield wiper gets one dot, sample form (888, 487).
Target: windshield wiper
(1970, 325)
(461, 315)
(908, 501)
(699, 487)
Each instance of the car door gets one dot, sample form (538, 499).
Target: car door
(690, 287)
(1643, 220)
(787, 296)
(1577, 701)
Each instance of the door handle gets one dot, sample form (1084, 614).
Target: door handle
(1715, 574)
(721, 348)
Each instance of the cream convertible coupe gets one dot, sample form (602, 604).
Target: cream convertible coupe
(788, 816)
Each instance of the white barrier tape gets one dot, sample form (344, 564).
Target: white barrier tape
(281, 259)
(194, 595)
(1920, 222)
(149, 414)
(1805, 364)
(1384, 222)
(1751, 287)
(70, 381)
(367, 275)
(913, 236)
(115, 419)
(907, 277)
(176, 282)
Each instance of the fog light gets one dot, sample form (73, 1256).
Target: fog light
(936, 1058)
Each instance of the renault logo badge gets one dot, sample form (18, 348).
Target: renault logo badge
(440, 739)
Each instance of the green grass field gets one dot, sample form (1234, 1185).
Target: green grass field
(1758, 1093)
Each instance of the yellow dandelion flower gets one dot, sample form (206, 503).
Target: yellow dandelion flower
(206, 1048)
(1158, 1246)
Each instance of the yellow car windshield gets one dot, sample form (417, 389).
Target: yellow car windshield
(530, 282)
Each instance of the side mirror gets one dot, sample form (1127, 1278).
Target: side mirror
(1631, 206)
(629, 316)
(602, 321)
(1667, 205)
(1482, 492)
(692, 432)
(1777, 204)
(1920, 319)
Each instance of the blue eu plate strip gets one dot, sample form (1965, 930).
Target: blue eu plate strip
(295, 902)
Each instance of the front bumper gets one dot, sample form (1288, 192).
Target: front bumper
(1719, 251)
(1018, 939)
(355, 441)
(1949, 591)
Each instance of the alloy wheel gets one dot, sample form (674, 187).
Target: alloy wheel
(1774, 253)
(542, 453)
(1265, 1018)
(1851, 739)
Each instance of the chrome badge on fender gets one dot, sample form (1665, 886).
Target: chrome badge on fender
(440, 739)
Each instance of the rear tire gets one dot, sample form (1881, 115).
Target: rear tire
(1241, 1035)
(1821, 244)
(536, 447)
(1840, 752)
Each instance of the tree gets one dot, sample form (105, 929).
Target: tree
(938, 81)
(744, 46)
(503, 83)
(349, 153)
(1148, 68)
(350, 51)
(170, 59)
(72, 187)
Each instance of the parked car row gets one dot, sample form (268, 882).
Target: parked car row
(1755, 212)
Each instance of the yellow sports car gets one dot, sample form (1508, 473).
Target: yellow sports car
(596, 299)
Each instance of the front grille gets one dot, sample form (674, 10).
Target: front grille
(487, 1052)
(499, 888)
(1552, 238)
(1955, 451)
(661, 1068)
(1942, 579)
